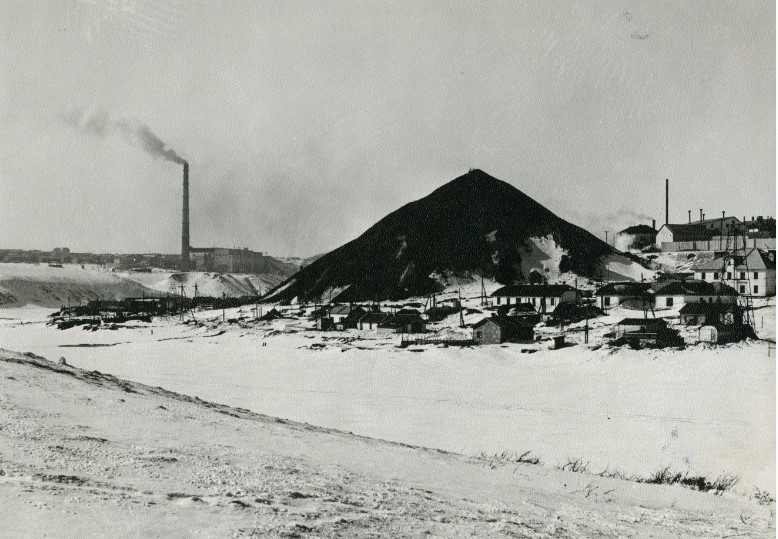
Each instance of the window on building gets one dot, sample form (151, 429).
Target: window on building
(703, 275)
(607, 301)
(743, 275)
(715, 276)
(729, 275)
(478, 334)
(756, 275)
(669, 302)
(552, 301)
(742, 289)
(756, 289)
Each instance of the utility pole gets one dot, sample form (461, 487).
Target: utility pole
(461, 310)
(182, 302)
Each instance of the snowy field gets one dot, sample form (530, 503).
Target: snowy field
(705, 410)
(85, 454)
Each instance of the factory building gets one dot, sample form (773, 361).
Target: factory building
(224, 260)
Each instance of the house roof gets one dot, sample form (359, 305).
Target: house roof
(503, 322)
(649, 323)
(691, 232)
(624, 288)
(530, 290)
(374, 317)
(398, 320)
(708, 308)
(692, 288)
(639, 229)
(354, 316)
(755, 259)
(715, 220)
(343, 309)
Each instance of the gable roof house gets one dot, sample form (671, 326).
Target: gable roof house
(752, 274)
(351, 320)
(403, 323)
(371, 320)
(711, 314)
(544, 297)
(496, 330)
(339, 312)
(614, 294)
(671, 294)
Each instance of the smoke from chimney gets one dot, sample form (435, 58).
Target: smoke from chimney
(100, 124)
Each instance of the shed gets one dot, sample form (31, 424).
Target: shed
(403, 323)
(496, 330)
(372, 320)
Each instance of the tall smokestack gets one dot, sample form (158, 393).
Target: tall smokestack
(690, 216)
(667, 201)
(185, 222)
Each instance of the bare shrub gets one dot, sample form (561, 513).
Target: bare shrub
(578, 465)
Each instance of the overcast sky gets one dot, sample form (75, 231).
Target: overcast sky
(305, 122)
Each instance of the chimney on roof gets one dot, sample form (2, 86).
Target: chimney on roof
(690, 216)
(653, 224)
(701, 214)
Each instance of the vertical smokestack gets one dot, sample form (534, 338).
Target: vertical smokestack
(667, 201)
(690, 216)
(701, 214)
(185, 222)
(653, 224)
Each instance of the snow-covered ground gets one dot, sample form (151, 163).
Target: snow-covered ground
(704, 410)
(83, 454)
(41, 284)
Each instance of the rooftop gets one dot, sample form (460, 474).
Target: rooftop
(532, 290)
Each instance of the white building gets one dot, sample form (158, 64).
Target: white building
(672, 294)
(752, 274)
(544, 297)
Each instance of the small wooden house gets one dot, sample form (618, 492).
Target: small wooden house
(496, 330)
(614, 294)
(403, 323)
(710, 314)
(372, 320)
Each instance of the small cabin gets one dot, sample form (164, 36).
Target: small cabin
(497, 330)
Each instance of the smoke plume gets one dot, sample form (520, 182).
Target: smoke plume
(99, 123)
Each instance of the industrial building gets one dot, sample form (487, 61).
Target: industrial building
(224, 260)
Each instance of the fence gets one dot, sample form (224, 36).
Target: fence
(437, 340)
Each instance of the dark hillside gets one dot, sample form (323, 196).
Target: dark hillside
(473, 224)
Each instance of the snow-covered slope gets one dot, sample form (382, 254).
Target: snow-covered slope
(86, 454)
(43, 285)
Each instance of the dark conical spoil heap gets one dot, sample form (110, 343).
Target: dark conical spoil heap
(473, 224)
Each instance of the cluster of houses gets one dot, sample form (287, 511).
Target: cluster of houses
(341, 317)
(709, 300)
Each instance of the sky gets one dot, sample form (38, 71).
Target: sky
(306, 122)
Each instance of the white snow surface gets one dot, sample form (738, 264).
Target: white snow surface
(704, 410)
(85, 454)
